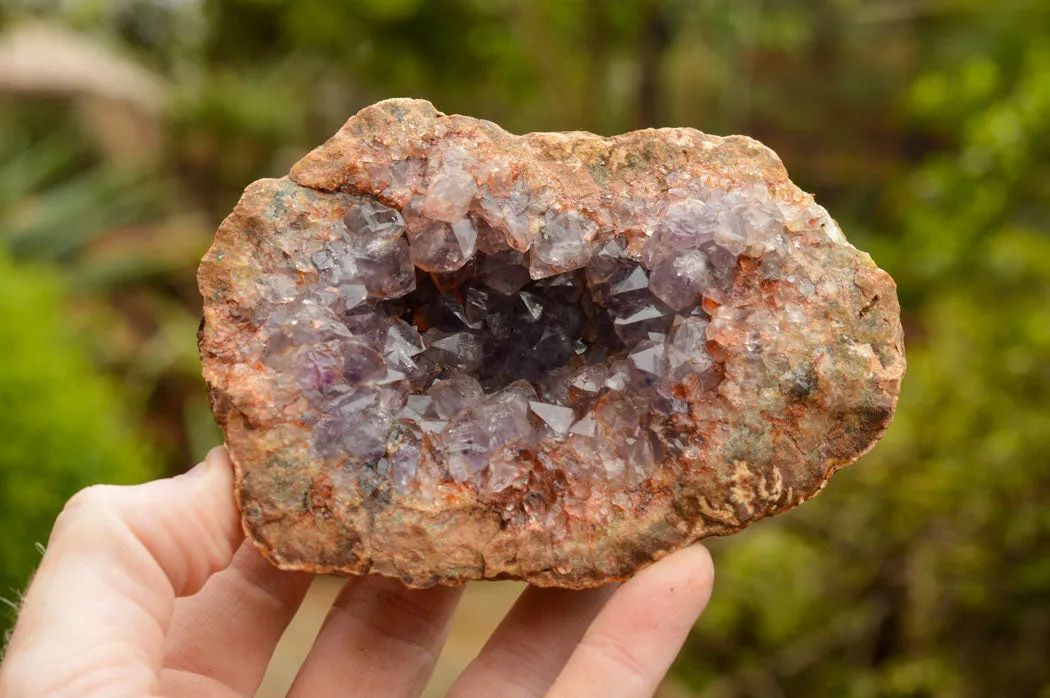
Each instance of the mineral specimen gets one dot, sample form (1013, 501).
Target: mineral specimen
(443, 352)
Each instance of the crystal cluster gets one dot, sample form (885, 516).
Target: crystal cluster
(455, 336)
(487, 352)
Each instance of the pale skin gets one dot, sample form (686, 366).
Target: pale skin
(152, 590)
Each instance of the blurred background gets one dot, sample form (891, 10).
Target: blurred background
(128, 129)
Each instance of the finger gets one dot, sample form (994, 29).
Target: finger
(225, 634)
(95, 617)
(532, 644)
(379, 638)
(631, 644)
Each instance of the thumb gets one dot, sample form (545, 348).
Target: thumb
(94, 619)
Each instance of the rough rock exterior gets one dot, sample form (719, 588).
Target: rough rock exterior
(443, 352)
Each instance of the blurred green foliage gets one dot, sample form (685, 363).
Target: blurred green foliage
(61, 427)
(922, 571)
(127, 255)
(50, 216)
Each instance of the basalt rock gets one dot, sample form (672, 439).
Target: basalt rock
(443, 352)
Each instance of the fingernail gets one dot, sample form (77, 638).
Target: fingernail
(217, 454)
(197, 471)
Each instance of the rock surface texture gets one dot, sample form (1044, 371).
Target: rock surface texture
(443, 352)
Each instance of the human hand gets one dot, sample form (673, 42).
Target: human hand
(151, 591)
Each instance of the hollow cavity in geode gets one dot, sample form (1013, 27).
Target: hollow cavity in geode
(443, 352)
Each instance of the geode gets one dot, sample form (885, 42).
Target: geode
(443, 352)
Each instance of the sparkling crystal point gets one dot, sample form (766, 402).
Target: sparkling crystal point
(681, 280)
(504, 272)
(636, 280)
(453, 395)
(563, 246)
(648, 359)
(585, 427)
(403, 342)
(371, 220)
(556, 417)
(533, 305)
(443, 247)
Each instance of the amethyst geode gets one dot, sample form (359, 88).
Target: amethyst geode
(443, 352)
